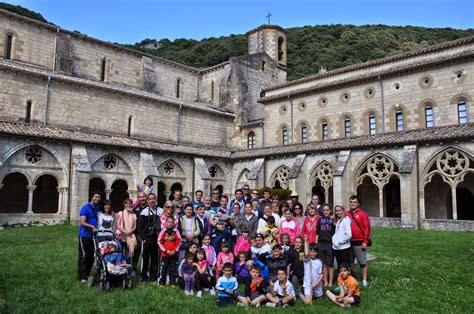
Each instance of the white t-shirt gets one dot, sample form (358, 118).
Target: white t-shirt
(264, 249)
(289, 288)
(312, 269)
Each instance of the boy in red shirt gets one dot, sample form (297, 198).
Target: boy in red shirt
(169, 241)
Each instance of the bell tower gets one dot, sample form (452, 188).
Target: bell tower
(270, 39)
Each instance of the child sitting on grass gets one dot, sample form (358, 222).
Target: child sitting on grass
(224, 256)
(189, 271)
(313, 273)
(255, 289)
(226, 286)
(283, 293)
(242, 268)
(205, 278)
(349, 292)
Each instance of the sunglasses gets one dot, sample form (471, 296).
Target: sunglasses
(297, 208)
(167, 206)
(215, 193)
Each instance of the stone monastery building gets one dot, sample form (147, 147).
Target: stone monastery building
(79, 114)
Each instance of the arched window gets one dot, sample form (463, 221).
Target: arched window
(325, 130)
(280, 48)
(251, 140)
(284, 133)
(372, 124)
(429, 116)
(8, 46)
(263, 65)
(462, 112)
(130, 120)
(178, 88)
(399, 119)
(102, 69)
(304, 134)
(347, 127)
(212, 90)
(28, 112)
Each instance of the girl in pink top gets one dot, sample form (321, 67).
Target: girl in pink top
(210, 253)
(289, 225)
(243, 242)
(224, 256)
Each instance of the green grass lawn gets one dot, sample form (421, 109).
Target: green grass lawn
(415, 271)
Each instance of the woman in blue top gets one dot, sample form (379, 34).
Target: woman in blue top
(87, 227)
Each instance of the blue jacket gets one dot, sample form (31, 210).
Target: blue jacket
(226, 283)
(90, 211)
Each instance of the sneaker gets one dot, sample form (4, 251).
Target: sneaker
(347, 306)
(258, 305)
(199, 294)
(271, 304)
(83, 281)
(285, 305)
(186, 292)
(157, 283)
(365, 283)
(212, 292)
(241, 304)
(191, 292)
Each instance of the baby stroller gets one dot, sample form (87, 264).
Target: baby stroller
(111, 268)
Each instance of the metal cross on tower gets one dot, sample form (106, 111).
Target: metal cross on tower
(268, 17)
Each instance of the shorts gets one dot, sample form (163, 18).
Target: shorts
(326, 254)
(314, 293)
(359, 254)
(280, 297)
(252, 297)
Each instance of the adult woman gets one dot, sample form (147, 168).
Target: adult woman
(169, 211)
(127, 223)
(341, 240)
(276, 208)
(298, 215)
(249, 220)
(106, 220)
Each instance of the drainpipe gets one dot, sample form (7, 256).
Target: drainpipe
(291, 112)
(177, 123)
(383, 104)
(418, 210)
(194, 175)
(55, 49)
(46, 101)
(69, 190)
(198, 86)
(263, 134)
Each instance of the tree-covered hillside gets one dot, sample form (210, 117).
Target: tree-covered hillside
(309, 47)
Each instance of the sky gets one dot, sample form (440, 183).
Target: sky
(131, 21)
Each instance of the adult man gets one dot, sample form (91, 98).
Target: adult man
(87, 227)
(219, 221)
(316, 201)
(197, 199)
(142, 204)
(262, 222)
(360, 227)
(238, 198)
(207, 206)
(149, 226)
(246, 193)
(216, 196)
(254, 195)
(266, 200)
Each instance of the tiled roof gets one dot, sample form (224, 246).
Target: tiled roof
(461, 132)
(370, 76)
(418, 136)
(358, 66)
(111, 87)
(80, 136)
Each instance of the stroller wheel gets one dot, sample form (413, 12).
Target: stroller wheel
(90, 281)
(124, 284)
(129, 284)
(104, 286)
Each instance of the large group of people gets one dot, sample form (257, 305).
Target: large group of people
(280, 251)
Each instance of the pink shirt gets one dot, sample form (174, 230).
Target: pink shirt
(291, 227)
(223, 258)
(241, 245)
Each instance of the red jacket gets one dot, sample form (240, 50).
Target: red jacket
(363, 220)
(169, 243)
(309, 228)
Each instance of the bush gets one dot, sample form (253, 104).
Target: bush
(284, 194)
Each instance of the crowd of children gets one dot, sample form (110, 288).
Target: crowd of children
(278, 251)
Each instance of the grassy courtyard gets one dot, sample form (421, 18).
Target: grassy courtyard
(415, 271)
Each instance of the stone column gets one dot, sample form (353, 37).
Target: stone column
(454, 202)
(133, 194)
(60, 199)
(30, 189)
(409, 200)
(107, 193)
(381, 203)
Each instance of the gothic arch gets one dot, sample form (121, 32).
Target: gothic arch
(449, 166)
(62, 181)
(14, 193)
(172, 172)
(109, 178)
(280, 177)
(321, 178)
(378, 174)
(217, 175)
(242, 178)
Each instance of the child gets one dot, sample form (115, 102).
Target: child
(189, 271)
(313, 273)
(349, 293)
(188, 227)
(325, 230)
(289, 225)
(310, 223)
(285, 241)
(210, 253)
(243, 243)
(203, 271)
(116, 264)
(297, 266)
(274, 261)
(169, 241)
(283, 293)
(271, 232)
(241, 268)
(226, 286)
(255, 289)
(224, 256)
